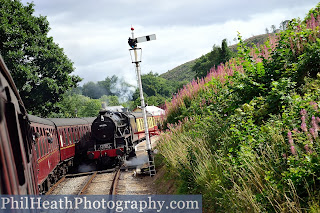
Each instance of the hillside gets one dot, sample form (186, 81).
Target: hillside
(184, 71)
(246, 137)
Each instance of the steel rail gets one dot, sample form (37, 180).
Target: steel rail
(55, 185)
(88, 183)
(115, 181)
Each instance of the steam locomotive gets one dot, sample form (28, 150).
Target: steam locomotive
(115, 134)
(35, 152)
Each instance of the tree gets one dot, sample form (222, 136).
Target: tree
(156, 89)
(77, 106)
(225, 52)
(110, 100)
(93, 90)
(217, 56)
(267, 30)
(38, 66)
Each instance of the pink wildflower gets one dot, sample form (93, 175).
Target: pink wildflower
(296, 130)
(310, 138)
(293, 150)
(303, 112)
(308, 150)
(314, 124)
(290, 138)
(314, 105)
(304, 127)
(313, 133)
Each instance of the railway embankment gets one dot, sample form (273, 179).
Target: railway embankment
(246, 136)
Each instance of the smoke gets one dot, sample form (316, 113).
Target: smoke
(108, 89)
(123, 90)
(86, 167)
(137, 161)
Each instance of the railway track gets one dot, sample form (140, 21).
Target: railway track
(89, 183)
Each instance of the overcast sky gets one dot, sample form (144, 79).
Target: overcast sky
(94, 34)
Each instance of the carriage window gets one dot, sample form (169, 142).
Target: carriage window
(141, 124)
(44, 141)
(76, 132)
(75, 138)
(11, 120)
(80, 132)
(66, 137)
(49, 137)
(51, 145)
(46, 144)
(40, 146)
(70, 136)
(47, 141)
(54, 135)
(37, 150)
(73, 135)
(25, 131)
(43, 147)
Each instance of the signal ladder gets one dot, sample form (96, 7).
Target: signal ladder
(152, 167)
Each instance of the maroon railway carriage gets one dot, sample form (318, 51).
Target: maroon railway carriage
(47, 151)
(72, 131)
(34, 152)
(55, 141)
(17, 157)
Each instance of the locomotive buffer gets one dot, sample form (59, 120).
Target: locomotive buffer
(133, 44)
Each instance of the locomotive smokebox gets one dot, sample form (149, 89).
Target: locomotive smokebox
(107, 125)
(103, 128)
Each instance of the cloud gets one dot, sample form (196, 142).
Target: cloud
(94, 34)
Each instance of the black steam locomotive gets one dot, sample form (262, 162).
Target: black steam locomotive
(114, 135)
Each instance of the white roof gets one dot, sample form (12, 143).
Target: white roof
(155, 110)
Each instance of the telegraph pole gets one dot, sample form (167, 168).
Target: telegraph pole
(133, 44)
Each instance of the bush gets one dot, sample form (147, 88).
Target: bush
(246, 136)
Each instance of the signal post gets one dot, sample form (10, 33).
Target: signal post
(135, 59)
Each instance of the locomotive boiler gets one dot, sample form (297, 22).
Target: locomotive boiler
(115, 134)
(111, 137)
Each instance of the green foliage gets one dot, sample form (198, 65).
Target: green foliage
(39, 67)
(217, 56)
(110, 100)
(315, 12)
(156, 89)
(246, 137)
(77, 106)
(180, 73)
(185, 73)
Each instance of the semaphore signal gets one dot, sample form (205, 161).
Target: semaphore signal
(133, 44)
